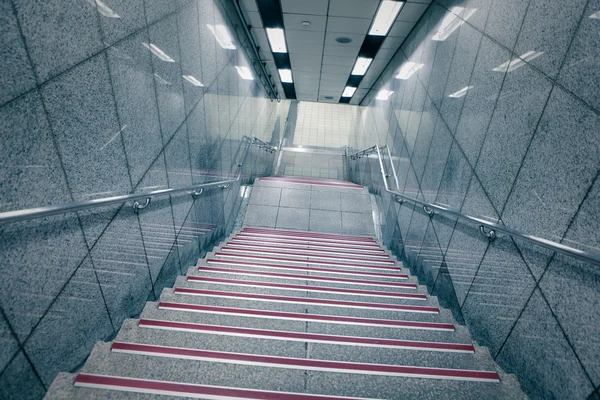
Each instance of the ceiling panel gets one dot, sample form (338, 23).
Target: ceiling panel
(356, 38)
(316, 7)
(320, 65)
(294, 21)
(341, 51)
(411, 12)
(353, 8)
(349, 25)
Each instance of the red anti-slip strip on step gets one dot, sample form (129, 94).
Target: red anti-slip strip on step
(265, 237)
(300, 261)
(306, 288)
(260, 241)
(332, 319)
(307, 277)
(309, 234)
(307, 300)
(306, 255)
(190, 390)
(313, 182)
(308, 269)
(307, 364)
(268, 248)
(307, 337)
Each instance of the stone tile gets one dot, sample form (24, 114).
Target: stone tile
(223, 55)
(259, 215)
(156, 221)
(562, 22)
(20, 381)
(325, 200)
(177, 158)
(54, 347)
(358, 203)
(295, 198)
(133, 85)
(429, 119)
(58, 34)
(82, 114)
(459, 77)
(9, 344)
(558, 169)
(191, 58)
(202, 150)
(292, 218)
(38, 256)
(538, 352)
(167, 75)
(579, 72)
(120, 19)
(572, 287)
(491, 309)
(455, 179)
(480, 100)
(504, 21)
(515, 119)
(435, 164)
(169, 271)
(17, 76)
(121, 265)
(325, 221)
(265, 196)
(31, 172)
(157, 9)
(208, 43)
(357, 224)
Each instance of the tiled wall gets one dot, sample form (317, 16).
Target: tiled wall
(522, 146)
(88, 111)
(323, 124)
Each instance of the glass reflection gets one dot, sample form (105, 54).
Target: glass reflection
(518, 62)
(452, 21)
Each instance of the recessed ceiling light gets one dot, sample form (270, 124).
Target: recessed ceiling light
(385, 17)
(460, 93)
(383, 94)
(361, 66)
(452, 21)
(343, 40)
(276, 38)
(408, 69)
(518, 62)
(158, 52)
(191, 79)
(286, 75)
(349, 91)
(222, 35)
(244, 73)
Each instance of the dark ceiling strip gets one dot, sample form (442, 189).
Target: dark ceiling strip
(369, 49)
(272, 17)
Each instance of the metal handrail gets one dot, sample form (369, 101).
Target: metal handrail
(194, 191)
(432, 209)
(264, 145)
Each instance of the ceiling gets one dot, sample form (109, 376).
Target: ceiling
(321, 65)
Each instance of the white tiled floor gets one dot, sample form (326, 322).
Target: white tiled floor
(325, 125)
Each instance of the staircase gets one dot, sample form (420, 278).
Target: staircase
(286, 314)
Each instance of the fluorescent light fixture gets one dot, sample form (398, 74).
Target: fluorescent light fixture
(221, 33)
(276, 38)
(158, 52)
(462, 92)
(349, 91)
(244, 73)
(385, 17)
(361, 66)
(191, 79)
(452, 21)
(518, 62)
(408, 69)
(383, 94)
(103, 9)
(286, 75)
(595, 15)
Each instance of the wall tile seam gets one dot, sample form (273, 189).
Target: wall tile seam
(513, 55)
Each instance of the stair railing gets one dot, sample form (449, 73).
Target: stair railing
(140, 200)
(486, 228)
